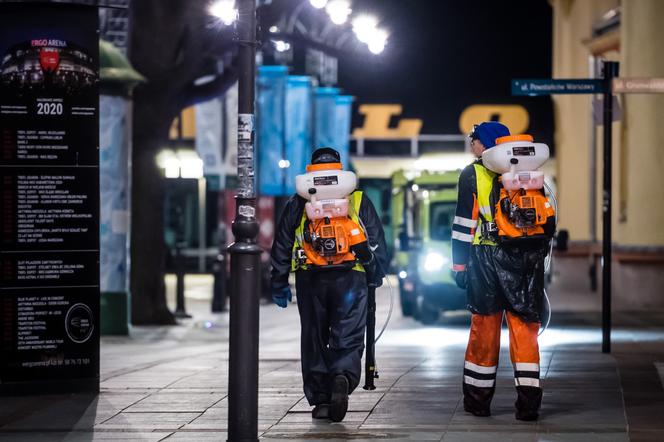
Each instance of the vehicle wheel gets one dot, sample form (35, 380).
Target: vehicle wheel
(428, 315)
(407, 307)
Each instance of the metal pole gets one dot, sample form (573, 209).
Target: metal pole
(592, 175)
(610, 71)
(202, 224)
(219, 284)
(245, 253)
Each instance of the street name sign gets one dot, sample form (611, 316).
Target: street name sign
(557, 86)
(638, 85)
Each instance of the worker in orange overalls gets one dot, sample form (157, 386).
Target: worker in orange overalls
(500, 281)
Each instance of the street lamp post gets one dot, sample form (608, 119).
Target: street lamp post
(245, 253)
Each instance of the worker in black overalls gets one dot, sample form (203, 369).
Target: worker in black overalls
(332, 302)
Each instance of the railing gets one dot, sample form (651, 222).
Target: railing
(414, 142)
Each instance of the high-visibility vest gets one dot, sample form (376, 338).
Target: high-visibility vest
(485, 179)
(355, 201)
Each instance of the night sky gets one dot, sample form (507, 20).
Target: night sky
(444, 55)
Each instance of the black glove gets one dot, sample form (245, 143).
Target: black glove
(461, 279)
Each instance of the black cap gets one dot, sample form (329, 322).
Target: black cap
(324, 155)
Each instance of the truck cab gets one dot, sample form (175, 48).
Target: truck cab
(423, 208)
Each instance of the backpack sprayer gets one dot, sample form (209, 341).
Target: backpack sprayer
(335, 237)
(522, 209)
(331, 239)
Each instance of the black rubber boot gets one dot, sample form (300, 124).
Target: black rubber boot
(526, 415)
(321, 411)
(528, 402)
(476, 411)
(339, 402)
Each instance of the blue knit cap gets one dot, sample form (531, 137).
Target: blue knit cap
(488, 132)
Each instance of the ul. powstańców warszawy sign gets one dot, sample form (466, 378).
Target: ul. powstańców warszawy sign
(49, 166)
(557, 86)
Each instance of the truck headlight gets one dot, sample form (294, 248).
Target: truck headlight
(434, 261)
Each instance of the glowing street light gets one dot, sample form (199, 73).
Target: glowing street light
(377, 41)
(225, 11)
(180, 164)
(338, 10)
(364, 26)
(318, 4)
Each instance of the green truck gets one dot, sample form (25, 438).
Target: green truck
(423, 206)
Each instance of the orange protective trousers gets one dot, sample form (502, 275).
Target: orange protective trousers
(484, 342)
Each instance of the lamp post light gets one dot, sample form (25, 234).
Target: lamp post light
(339, 11)
(318, 4)
(225, 11)
(367, 31)
(377, 41)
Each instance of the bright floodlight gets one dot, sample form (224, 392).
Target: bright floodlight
(281, 46)
(180, 164)
(191, 165)
(338, 10)
(318, 4)
(284, 164)
(377, 41)
(364, 26)
(225, 11)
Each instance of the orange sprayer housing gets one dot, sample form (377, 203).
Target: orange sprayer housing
(532, 202)
(331, 241)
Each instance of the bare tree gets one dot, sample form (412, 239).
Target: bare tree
(187, 57)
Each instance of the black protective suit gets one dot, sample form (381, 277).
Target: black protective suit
(332, 303)
(507, 277)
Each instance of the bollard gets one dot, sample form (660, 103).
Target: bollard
(180, 311)
(219, 287)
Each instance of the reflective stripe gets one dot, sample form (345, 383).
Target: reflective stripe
(465, 222)
(480, 369)
(479, 382)
(459, 267)
(526, 366)
(485, 210)
(527, 382)
(465, 237)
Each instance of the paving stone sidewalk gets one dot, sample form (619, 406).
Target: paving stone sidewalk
(170, 383)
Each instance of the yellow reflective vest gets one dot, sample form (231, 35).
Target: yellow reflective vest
(355, 201)
(485, 179)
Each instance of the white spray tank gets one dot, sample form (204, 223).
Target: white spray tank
(326, 192)
(518, 160)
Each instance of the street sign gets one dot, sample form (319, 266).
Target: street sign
(546, 86)
(638, 85)
(552, 86)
